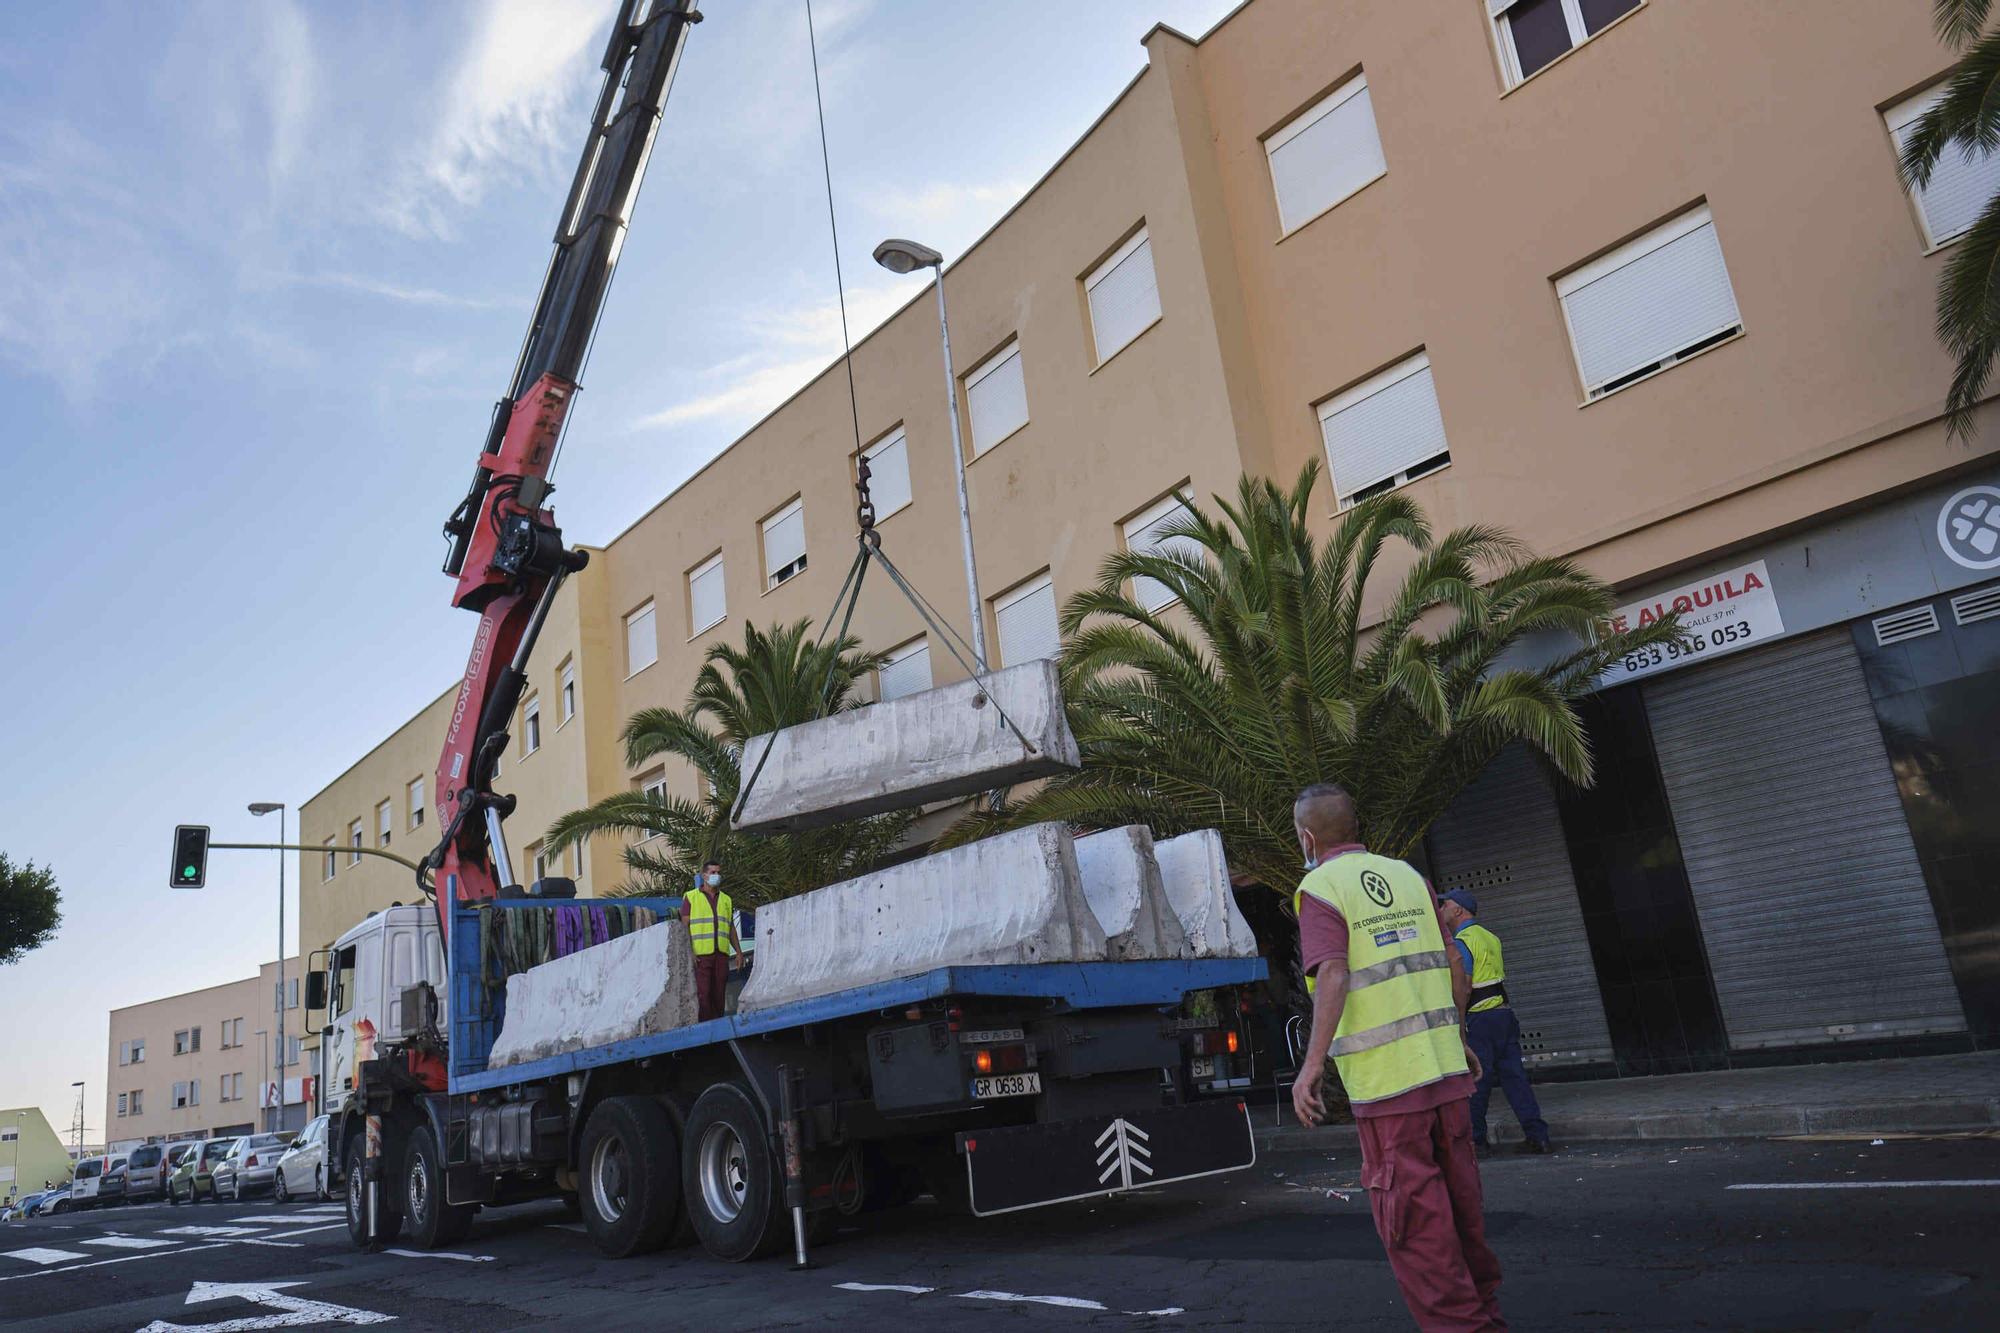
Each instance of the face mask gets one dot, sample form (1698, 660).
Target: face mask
(713, 880)
(1312, 857)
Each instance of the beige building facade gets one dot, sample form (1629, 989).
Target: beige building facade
(205, 1062)
(1635, 280)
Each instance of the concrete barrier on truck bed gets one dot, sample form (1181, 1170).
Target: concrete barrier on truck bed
(1196, 878)
(632, 986)
(1015, 898)
(1121, 881)
(932, 746)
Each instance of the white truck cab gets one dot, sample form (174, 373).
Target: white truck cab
(367, 969)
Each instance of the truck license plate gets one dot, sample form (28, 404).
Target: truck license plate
(1202, 1066)
(1007, 1085)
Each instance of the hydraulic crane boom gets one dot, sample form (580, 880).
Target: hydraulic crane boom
(506, 551)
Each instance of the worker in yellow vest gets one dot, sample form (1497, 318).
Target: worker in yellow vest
(1390, 1008)
(1492, 1027)
(711, 922)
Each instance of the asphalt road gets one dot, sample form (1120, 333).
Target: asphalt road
(1635, 1236)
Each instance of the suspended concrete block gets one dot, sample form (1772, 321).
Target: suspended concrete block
(932, 746)
(628, 987)
(1010, 899)
(1197, 882)
(1121, 881)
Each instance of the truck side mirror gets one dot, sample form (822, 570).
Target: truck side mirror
(315, 990)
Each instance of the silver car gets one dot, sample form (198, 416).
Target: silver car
(146, 1171)
(251, 1165)
(302, 1171)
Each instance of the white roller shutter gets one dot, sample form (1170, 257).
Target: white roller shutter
(1027, 623)
(1503, 839)
(1124, 296)
(1962, 183)
(888, 473)
(785, 543)
(1387, 426)
(908, 670)
(1648, 301)
(1144, 533)
(1325, 154)
(1813, 906)
(707, 600)
(996, 398)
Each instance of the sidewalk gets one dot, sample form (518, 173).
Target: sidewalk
(1929, 1093)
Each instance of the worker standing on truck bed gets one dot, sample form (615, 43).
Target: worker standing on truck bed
(711, 921)
(1390, 1006)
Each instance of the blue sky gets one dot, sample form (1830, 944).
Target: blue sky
(263, 269)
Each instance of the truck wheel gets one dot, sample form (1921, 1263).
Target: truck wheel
(431, 1222)
(730, 1177)
(629, 1187)
(389, 1212)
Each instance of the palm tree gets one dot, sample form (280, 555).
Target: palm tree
(776, 679)
(1967, 120)
(1279, 679)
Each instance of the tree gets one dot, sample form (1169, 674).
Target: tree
(1279, 679)
(30, 908)
(778, 678)
(1966, 120)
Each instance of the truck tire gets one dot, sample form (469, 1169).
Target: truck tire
(389, 1213)
(628, 1178)
(428, 1219)
(730, 1177)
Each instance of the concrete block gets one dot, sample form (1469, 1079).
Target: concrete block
(1196, 879)
(1011, 899)
(936, 745)
(1121, 881)
(628, 987)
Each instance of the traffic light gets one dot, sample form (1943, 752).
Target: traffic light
(190, 867)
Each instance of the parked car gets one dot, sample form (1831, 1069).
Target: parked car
(24, 1206)
(111, 1185)
(194, 1176)
(55, 1201)
(87, 1181)
(302, 1171)
(250, 1165)
(146, 1171)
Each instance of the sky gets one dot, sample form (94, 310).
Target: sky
(264, 267)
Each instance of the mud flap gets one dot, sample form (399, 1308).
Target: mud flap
(1027, 1166)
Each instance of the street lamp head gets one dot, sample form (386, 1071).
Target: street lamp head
(900, 256)
(265, 807)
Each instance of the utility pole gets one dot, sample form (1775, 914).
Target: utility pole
(76, 1131)
(278, 1104)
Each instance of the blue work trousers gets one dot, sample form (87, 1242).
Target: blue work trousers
(1495, 1035)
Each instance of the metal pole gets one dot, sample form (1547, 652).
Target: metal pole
(278, 1109)
(958, 461)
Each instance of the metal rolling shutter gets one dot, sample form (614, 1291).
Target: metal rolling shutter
(1813, 907)
(1503, 839)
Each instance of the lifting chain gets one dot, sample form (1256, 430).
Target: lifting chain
(864, 507)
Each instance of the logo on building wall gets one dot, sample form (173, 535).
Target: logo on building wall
(1969, 527)
(1377, 888)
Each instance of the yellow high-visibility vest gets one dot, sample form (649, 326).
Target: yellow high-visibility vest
(1400, 1027)
(1488, 968)
(708, 922)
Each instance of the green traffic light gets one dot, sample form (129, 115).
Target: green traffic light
(187, 872)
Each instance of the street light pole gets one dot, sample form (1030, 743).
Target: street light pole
(900, 256)
(278, 1057)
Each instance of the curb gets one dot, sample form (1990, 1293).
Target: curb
(1735, 1122)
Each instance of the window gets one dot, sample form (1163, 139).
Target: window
(292, 1049)
(706, 604)
(326, 860)
(1532, 33)
(908, 670)
(384, 823)
(187, 1094)
(576, 860)
(1124, 296)
(229, 1088)
(138, 1101)
(888, 473)
(138, 1050)
(354, 843)
(291, 994)
(566, 692)
(1384, 431)
(531, 725)
(124, 1052)
(540, 858)
(654, 784)
(1144, 533)
(1649, 304)
(785, 544)
(121, 1103)
(194, 1039)
(1324, 154)
(414, 793)
(1026, 618)
(232, 1033)
(1962, 182)
(181, 1042)
(642, 646)
(996, 398)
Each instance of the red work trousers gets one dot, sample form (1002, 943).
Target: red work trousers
(711, 984)
(1423, 1187)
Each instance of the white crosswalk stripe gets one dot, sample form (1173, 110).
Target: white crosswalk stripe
(37, 1255)
(129, 1242)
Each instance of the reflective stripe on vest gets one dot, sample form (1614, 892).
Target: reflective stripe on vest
(1488, 969)
(708, 923)
(1399, 1029)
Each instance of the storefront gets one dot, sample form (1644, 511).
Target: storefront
(1794, 840)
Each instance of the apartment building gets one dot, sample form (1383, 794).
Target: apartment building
(1505, 256)
(31, 1156)
(207, 1062)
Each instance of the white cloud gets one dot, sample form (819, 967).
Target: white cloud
(367, 286)
(963, 209)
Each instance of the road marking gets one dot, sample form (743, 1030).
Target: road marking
(1067, 1302)
(130, 1242)
(208, 1231)
(883, 1286)
(280, 1219)
(292, 1311)
(1875, 1185)
(443, 1254)
(121, 1259)
(37, 1255)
